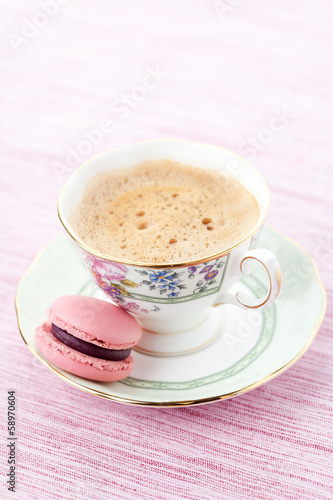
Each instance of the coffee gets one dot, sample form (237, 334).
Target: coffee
(163, 211)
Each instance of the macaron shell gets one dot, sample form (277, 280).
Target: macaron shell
(79, 364)
(95, 321)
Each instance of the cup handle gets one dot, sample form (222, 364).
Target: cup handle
(270, 263)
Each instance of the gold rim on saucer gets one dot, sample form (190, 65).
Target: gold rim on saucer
(175, 403)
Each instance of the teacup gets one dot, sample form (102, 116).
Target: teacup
(174, 303)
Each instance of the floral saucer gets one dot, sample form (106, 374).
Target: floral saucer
(255, 346)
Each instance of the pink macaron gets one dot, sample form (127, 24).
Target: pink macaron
(88, 337)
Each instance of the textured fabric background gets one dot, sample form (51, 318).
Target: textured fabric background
(226, 68)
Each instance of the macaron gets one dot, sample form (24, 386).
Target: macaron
(88, 337)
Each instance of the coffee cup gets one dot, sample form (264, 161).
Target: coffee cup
(181, 322)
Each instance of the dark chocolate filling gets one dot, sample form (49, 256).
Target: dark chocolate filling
(88, 348)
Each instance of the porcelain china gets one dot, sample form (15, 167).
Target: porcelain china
(173, 301)
(251, 348)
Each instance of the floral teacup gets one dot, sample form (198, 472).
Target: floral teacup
(174, 302)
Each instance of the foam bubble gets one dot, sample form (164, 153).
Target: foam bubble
(163, 211)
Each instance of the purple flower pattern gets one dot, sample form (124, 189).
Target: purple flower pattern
(211, 275)
(206, 269)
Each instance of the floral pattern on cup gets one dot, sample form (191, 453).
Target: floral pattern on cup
(123, 284)
(165, 281)
(111, 278)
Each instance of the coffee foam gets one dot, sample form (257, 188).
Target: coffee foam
(163, 211)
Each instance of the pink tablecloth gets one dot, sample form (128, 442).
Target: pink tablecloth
(220, 70)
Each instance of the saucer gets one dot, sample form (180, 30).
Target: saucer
(255, 346)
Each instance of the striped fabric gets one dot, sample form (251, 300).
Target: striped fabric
(78, 78)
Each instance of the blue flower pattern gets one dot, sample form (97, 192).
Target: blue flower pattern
(169, 282)
(165, 281)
